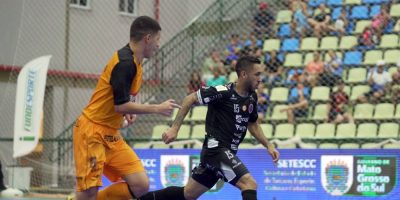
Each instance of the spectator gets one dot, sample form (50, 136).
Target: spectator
(263, 22)
(367, 39)
(340, 24)
(263, 102)
(320, 22)
(380, 21)
(338, 105)
(211, 62)
(379, 81)
(333, 70)
(274, 68)
(295, 5)
(253, 42)
(298, 103)
(314, 69)
(299, 25)
(233, 49)
(195, 82)
(295, 76)
(217, 79)
(322, 9)
(396, 85)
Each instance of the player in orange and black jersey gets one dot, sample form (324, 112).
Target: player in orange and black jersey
(98, 145)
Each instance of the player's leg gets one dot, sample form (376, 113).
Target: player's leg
(201, 181)
(248, 186)
(89, 156)
(123, 163)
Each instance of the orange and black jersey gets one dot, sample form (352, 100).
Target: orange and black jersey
(119, 82)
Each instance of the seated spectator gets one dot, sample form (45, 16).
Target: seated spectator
(379, 81)
(321, 9)
(298, 103)
(333, 70)
(217, 79)
(274, 68)
(211, 62)
(380, 21)
(295, 76)
(233, 49)
(314, 69)
(253, 42)
(295, 5)
(195, 82)
(263, 102)
(367, 39)
(299, 25)
(263, 22)
(320, 22)
(340, 25)
(396, 85)
(339, 105)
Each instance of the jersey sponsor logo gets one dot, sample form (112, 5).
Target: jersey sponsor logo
(236, 108)
(235, 141)
(251, 107)
(212, 142)
(241, 128)
(234, 147)
(233, 97)
(221, 88)
(212, 98)
(239, 135)
(244, 108)
(240, 119)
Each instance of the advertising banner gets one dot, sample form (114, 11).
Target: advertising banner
(299, 174)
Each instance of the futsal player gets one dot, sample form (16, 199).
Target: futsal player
(98, 146)
(232, 109)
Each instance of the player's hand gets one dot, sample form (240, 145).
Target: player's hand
(130, 118)
(273, 152)
(166, 108)
(169, 135)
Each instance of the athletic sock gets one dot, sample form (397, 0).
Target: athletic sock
(249, 195)
(169, 193)
(115, 191)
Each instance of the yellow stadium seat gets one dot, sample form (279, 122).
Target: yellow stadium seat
(361, 25)
(367, 130)
(388, 130)
(306, 130)
(325, 130)
(346, 130)
(347, 42)
(329, 43)
(284, 131)
(363, 111)
(293, 60)
(279, 94)
(309, 44)
(284, 16)
(271, 44)
(389, 41)
(371, 57)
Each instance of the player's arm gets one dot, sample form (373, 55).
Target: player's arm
(256, 131)
(121, 82)
(171, 134)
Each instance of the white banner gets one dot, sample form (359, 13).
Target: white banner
(29, 105)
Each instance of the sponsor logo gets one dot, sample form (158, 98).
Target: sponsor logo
(337, 174)
(297, 163)
(244, 108)
(233, 97)
(234, 147)
(241, 128)
(207, 100)
(240, 119)
(174, 170)
(251, 107)
(235, 141)
(221, 88)
(239, 135)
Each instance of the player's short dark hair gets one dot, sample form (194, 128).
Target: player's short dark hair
(142, 26)
(246, 62)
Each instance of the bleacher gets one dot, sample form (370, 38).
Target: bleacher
(374, 123)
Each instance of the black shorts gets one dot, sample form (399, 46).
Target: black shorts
(218, 163)
(333, 114)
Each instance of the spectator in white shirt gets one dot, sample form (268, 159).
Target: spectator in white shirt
(379, 81)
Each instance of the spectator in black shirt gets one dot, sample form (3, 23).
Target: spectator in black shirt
(320, 22)
(274, 68)
(232, 108)
(263, 22)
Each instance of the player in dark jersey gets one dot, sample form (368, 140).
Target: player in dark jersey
(232, 108)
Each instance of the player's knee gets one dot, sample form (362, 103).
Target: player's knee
(139, 189)
(247, 182)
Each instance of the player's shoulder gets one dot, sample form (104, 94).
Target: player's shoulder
(125, 54)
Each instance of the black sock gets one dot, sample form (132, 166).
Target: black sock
(173, 192)
(249, 194)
